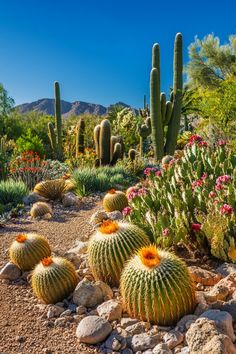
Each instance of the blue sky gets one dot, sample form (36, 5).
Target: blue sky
(99, 51)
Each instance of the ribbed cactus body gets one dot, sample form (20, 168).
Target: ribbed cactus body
(28, 249)
(104, 142)
(111, 246)
(40, 209)
(156, 287)
(58, 119)
(53, 279)
(115, 200)
(174, 124)
(132, 154)
(96, 136)
(117, 154)
(79, 136)
(52, 137)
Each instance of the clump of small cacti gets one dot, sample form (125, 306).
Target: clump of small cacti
(79, 136)
(40, 209)
(53, 279)
(111, 246)
(55, 135)
(156, 287)
(54, 189)
(115, 200)
(109, 148)
(28, 249)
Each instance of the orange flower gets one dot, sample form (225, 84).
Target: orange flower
(47, 261)
(149, 256)
(21, 238)
(232, 254)
(112, 191)
(108, 227)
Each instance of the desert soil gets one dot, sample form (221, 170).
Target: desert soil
(24, 327)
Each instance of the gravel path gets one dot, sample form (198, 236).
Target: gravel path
(24, 327)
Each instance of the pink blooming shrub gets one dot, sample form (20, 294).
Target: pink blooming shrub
(223, 179)
(226, 209)
(166, 232)
(196, 227)
(126, 211)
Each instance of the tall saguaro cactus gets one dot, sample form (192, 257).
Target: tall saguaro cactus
(174, 124)
(55, 135)
(79, 136)
(163, 112)
(105, 138)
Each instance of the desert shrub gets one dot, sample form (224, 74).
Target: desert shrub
(12, 193)
(30, 142)
(90, 180)
(200, 183)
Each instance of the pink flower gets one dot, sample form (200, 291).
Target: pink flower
(219, 187)
(195, 138)
(197, 183)
(126, 211)
(211, 194)
(202, 144)
(196, 227)
(221, 142)
(148, 170)
(142, 191)
(226, 209)
(223, 179)
(158, 173)
(204, 176)
(132, 194)
(166, 232)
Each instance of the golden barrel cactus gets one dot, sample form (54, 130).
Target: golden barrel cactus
(115, 200)
(54, 189)
(53, 279)
(28, 249)
(111, 246)
(40, 209)
(157, 287)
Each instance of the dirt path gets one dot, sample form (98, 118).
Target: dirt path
(24, 327)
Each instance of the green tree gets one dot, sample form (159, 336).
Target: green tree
(190, 105)
(210, 62)
(6, 105)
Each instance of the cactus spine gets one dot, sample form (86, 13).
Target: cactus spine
(28, 249)
(80, 128)
(55, 135)
(156, 287)
(53, 279)
(111, 246)
(174, 124)
(165, 113)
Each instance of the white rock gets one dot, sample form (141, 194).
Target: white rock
(223, 321)
(111, 310)
(173, 338)
(161, 348)
(87, 294)
(144, 341)
(69, 199)
(138, 327)
(93, 330)
(54, 311)
(10, 271)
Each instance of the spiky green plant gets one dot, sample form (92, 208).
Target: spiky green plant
(115, 200)
(116, 242)
(40, 209)
(96, 135)
(53, 279)
(55, 135)
(104, 141)
(54, 189)
(156, 287)
(28, 249)
(12, 192)
(117, 153)
(79, 136)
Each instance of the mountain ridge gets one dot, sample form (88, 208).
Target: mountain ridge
(46, 105)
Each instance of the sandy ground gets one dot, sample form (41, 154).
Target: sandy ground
(24, 327)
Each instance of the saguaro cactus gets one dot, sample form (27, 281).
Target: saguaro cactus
(55, 135)
(165, 112)
(80, 128)
(105, 138)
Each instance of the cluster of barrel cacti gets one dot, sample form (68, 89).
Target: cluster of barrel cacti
(201, 183)
(165, 113)
(109, 148)
(53, 278)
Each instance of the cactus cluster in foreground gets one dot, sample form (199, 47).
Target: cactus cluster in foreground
(53, 279)
(28, 249)
(111, 246)
(156, 287)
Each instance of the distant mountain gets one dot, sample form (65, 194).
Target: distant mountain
(46, 105)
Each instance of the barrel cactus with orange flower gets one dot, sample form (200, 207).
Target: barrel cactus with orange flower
(53, 279)
(156, 287)
(115, 200)
(111, 246)
(28, 249)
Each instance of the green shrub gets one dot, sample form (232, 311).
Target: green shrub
(30, 142)
(12, 193)
(90, 180)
